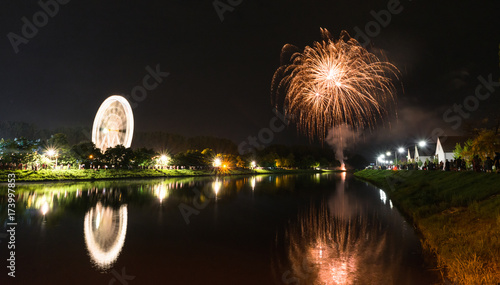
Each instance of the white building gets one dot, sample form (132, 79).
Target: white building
(426, 152)
(446, 145)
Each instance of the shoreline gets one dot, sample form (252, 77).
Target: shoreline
(75, 175)
(457, 215)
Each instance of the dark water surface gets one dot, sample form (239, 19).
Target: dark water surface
(285, 229)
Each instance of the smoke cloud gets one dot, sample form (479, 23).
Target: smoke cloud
(340, 138)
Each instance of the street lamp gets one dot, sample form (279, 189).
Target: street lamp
(52, 152)
(381, 158)
(253, 164)
(217, 162)
(164, 159)
(421, 144)
(400, 150)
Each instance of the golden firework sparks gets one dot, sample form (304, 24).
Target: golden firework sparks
(334, 82)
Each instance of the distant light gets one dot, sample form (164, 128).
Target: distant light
(91, 156)
(388, 153)
(217, 162)
(401, 150)
(253, 164)
(51, 152)
(422, 144)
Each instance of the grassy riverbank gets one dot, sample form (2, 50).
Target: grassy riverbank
(458, 214)
(87, 174)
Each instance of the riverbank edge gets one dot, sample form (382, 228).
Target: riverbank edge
(457, 232)
(30, 176)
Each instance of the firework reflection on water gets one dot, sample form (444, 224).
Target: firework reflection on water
(337, 243)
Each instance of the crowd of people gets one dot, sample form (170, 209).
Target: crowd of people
(459, 164)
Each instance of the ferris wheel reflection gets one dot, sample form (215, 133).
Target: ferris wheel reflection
(105, 229)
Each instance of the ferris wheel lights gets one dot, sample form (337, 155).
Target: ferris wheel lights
(113, 123)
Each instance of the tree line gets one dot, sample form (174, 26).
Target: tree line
(24, 153)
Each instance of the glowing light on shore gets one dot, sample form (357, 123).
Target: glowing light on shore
(104, 231)
(217, 162)
(334, 82)
(51, 152)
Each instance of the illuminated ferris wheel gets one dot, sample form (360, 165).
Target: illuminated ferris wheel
(113, 123)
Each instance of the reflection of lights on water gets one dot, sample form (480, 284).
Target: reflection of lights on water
(383, 196)
(317, 177)
(160, 192)
(326, 249)
(330, 268)
(45, 208)
(216, 185)
(104, 230)
(98, 220)
(252, 182)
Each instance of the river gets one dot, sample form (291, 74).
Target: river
(268, 229)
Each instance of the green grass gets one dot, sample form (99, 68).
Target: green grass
(458, 215)
(87, 174)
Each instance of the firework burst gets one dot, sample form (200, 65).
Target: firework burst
(333, 82)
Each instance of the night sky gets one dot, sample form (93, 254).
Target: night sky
(221, 71)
